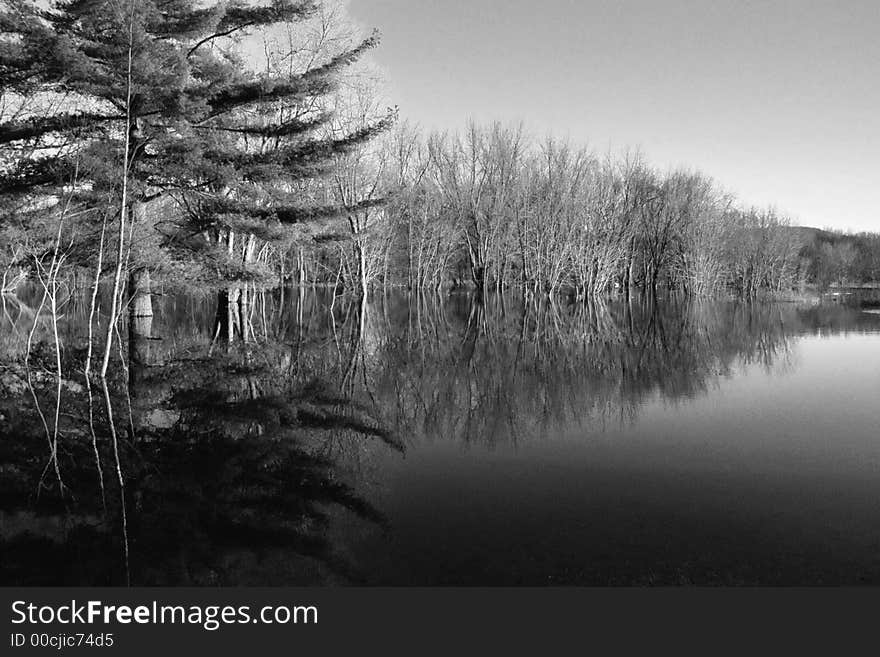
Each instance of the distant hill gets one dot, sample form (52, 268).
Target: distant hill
(838, 256)
(810, 234)
(821, 235)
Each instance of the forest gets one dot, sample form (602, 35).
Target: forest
(240, 146)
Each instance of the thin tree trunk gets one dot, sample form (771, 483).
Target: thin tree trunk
(120, 251)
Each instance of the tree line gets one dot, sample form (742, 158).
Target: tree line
(494, 209)
(244, 144)
(838, 258)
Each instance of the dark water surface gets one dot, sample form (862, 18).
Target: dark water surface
(418, 441)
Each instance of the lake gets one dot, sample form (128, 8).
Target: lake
(445, 441)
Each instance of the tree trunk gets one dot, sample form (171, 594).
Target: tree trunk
(362, 267)
(140, 320)
(140, 289)
(478, 275)
(245, 301)
(227, 316)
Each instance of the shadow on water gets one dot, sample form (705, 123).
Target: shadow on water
(234, 435)
(228, 465)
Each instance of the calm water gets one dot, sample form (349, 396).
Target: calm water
(411, 441)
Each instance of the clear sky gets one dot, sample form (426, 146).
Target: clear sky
(779, 100)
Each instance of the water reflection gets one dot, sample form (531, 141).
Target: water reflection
(486, 373)
(240, 431)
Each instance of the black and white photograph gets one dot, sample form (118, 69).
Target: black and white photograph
(410, 293)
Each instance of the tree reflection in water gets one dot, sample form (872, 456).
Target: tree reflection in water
(225, 457)
(226, 465)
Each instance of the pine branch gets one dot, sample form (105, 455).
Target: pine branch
(303, 157)
(316, 81)
(38, 127)
(33, 173)
(239, 17)
(301, 215)
(286, 129)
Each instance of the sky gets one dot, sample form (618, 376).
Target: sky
(778, 100)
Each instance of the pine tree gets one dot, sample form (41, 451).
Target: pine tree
(151, 87)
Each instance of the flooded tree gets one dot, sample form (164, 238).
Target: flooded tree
(205, 211)
(491, 209)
